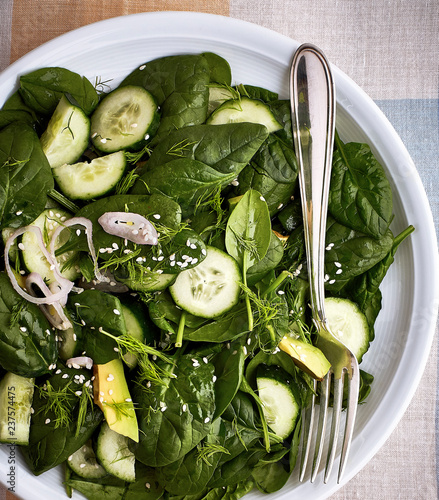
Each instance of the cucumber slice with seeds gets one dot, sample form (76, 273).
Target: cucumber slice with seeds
(115, 455)
(126, 118)
(281, 405)
(84, 463)
(244, 110)
(348, 324)
(66, 135)
(211, 288)
(84, 181)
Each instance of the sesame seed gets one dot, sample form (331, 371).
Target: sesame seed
(193, 246)
(262, 198)
(110, 392)
(281, 292)
(147, 485)
(78, 393)
(47, 421)
(205, 360)
(184, 407)
(110, 377)
(339, 271)
(18, 212)
(331, 282)
(337, 264)
(103, 140)
(128, 400)
(66, 375)
(214, 379)
(157, 216)
(58, 372)
(21, 246)
(206, 420)
(117, 312)
(188, 243)
(141, 68)
(203, 251)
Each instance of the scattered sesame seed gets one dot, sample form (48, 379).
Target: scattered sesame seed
(21, 246)
(78, 393)
(339, 271)
(262, 198)
(47, 421)
(206, 420)
(110, 392)
(110, 377)
(117, 312)
(157, 216)
(147, 485)
(141, 68)
(18, 212)
(128, 400)
(331, 282)
(214, 379)
(184, 407)
(66, 375)
(337, 264)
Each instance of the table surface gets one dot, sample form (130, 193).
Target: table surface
(390, 48)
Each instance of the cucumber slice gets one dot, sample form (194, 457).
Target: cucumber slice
(114, 454)
(84, 463)
(66, 135)
(348, 324)
(31, 255)
(244, 110)
(84, 181)
(16, 395)
(280, 404)
(126, 118)
(211, 288)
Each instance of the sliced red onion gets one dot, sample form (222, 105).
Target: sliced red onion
(80, 362)
(130, 226)
(64, 284)
(82, 221)
(54, 312)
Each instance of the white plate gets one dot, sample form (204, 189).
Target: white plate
(111, 49)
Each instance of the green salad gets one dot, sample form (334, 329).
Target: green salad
(155, 334)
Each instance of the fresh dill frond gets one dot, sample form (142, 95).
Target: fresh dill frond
(101, 86)
(117, 260)
(265, 310)
(16, 312)
(180, 148)
(127, 182)
(59, 402)
(122, 408)
(248, 245)
(207, 450)
(85, 399)
(136, 156)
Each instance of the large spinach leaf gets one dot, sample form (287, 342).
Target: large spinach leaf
(14, 110)
(220, 71)
(269, 262)
(180, 86)
(25, 176)
(27, 341)
(187, 181)
(360, 195)
(350, 253)
(222, 147)
(175, 415)
(43, 88)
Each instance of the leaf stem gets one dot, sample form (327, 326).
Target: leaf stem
(62, 200)
(247, 298)
(277, 282)
(179, 339)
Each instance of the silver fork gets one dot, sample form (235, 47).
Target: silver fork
(312, 95)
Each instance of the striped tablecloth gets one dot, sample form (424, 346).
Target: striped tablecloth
(388, 47)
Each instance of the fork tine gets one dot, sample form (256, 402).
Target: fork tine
(335, 425)
(308, 424)
(321, 430)
(353, 391)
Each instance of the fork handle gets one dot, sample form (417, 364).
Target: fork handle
(313, 117)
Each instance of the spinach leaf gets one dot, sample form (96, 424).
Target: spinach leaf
(180, 86)
(229, 370)
(27, 342)
(43, 88)
(222, 147)
(257, 93)
(269, 262)
(26, 176)
(174, 416)
(98, 311)
(350, 253)
(220, 71)
(291, 216)
(281, 110)
(227, 327)
(53, 438)
(248, 230)
(14, 110)
(190, 475)
(187, 181)
(360, 195)
(364, 289)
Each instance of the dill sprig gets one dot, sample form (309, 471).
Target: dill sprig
(134, 157)
(58, 402)
(180, 148)
(85, 399)
(127, 182)
(101, 86)
(16, 312)
(207, 450)
(122, 408)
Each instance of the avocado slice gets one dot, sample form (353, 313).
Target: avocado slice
(307, 357)
(111, 394)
